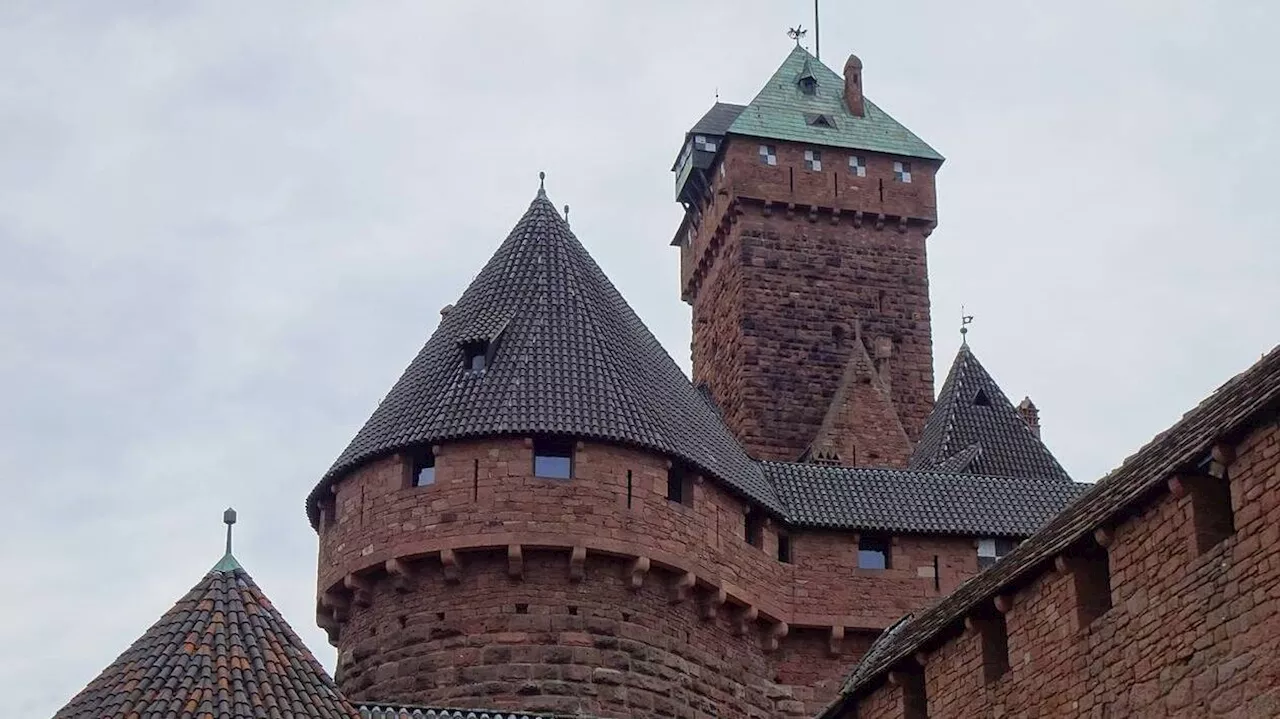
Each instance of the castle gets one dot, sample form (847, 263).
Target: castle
(545, 517)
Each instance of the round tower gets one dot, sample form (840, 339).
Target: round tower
(544, 514)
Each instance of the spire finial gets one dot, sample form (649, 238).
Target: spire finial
(796, 33)
(965, 320)
(542, 183)
(566, 214)
(229, 518)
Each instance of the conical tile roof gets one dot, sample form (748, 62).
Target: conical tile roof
(568, 356)
(221, 652)
(972, 416)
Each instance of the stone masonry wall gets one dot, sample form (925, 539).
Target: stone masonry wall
(487, 536)
(789, 266)
(1189, 633)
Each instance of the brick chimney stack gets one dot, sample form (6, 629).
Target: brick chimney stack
(853, 86)
(1030, 415)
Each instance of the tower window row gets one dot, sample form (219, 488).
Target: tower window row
(813, 162)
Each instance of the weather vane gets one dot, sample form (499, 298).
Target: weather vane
(796, 33)
(965, 321)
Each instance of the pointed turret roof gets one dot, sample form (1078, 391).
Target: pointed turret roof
(221, 652)
(976, 430)
(782, 111)
(566, 355)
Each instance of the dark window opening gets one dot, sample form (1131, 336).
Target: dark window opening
(628, 489)
(424, 469)
(808, 85)
(573, 611)
(991, 550)
(522, 609)
(329, 512)
(1091, 576)
(915, 703)
(679, 484)
(753, 523)
(475, 479)
(475, 356)
(995, 646)
(873, 552)
(784, 548)
(553, 457)
(1212, 519)
(981, 399)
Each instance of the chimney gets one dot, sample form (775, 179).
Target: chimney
(853, 86)
(1030, 415)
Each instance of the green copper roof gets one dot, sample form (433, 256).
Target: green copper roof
(779, 112)
(228, 563)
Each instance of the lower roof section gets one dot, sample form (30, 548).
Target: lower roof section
(895, 500)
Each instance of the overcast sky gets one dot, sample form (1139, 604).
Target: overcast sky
(226, 227)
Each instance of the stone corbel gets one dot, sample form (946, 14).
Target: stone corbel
(400, 573)
(880, 221)
(578, 563)
(1004, 603)
(791, 210)
(835, 642)
(637, 570)
(902, 224)
(746, 617)
(767, 209)
(777, 633)
(683, 586)
(813, 213)
(338, 604)
(515, 561)
(1104, 536)
(452, 568)
(714, 601)
(1222, 456)
(857, 219)
(361, 590)
(332, 628)
(1178, 487)
(835, 216)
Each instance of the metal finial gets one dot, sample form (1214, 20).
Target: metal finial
(965, 320)
(796, 33)
(566, 214)
(542, 180)
(817, 32)
(229, 518)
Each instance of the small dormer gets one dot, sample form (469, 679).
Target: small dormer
(807, 81)
(700, 153)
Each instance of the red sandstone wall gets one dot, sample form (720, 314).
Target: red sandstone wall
(777, 295)
(774, 618)
(1188, 635)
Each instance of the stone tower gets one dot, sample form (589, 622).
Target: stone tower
(803, 257)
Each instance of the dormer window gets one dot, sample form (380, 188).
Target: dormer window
(475, 356)
(981, 399)
(808, 85)
(819, 120)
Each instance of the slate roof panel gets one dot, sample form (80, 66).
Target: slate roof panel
(995, 438)
(573, 359)
(1249, 397)
(778, 111)
(894, 500)
(222, 650)
(718, 119)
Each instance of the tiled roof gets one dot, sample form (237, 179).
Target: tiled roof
(909, 501)
(397, 711)
(718, 119)
(221, 652)
(971, 410)
(1252, 396)
(779, 112)
(571, 358)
